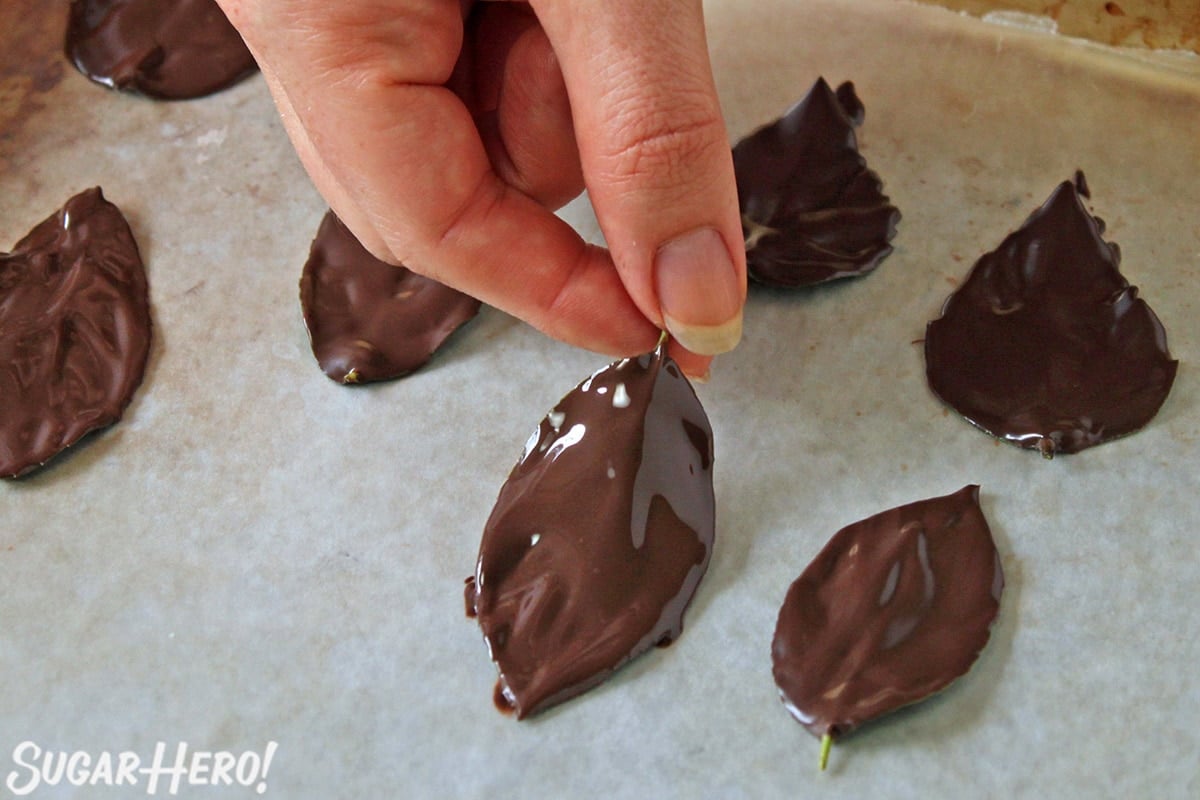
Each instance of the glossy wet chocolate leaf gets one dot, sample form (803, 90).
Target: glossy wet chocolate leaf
(1045, 344)
(600, 535)
(368, 320)
(811, 210)
(74, 331)
(165, 49)
(893, 609)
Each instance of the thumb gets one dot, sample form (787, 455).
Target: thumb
(656, 160)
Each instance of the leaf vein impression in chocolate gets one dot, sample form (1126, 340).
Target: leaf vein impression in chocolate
(368, 320)
(165, 49)
(894, 608)
(1046, 344)
(811, 210)
(74, 331)
(600, 535)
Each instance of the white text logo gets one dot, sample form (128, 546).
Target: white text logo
(37, 767)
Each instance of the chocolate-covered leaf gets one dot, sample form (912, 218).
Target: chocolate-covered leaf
(165, 49)
(74, 330)
(893, 609)
(1046, 344)
(368, 320)
(811, 210)
(600, 535)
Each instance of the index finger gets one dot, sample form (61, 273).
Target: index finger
(364, 83)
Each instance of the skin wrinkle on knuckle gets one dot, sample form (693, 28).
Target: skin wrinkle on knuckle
(478, 204)
(559, 301)
(352, 45)
(659, 146)
(422, 249)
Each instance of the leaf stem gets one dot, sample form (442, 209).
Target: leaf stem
(826, 744)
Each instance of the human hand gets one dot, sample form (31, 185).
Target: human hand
(445, 132)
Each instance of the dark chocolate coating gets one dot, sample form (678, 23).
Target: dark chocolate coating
(166, 49)
(368, 320)
(600, 535)
(811, 210)
(74, 331)
(1046, 344)
(893, 609)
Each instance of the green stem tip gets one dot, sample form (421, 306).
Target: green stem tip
(826, 745)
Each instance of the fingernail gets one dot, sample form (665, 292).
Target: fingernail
(699, 292)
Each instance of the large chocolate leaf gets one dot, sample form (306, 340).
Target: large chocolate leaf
(893, 609)
(600, 535)
(165, 49)
(1046, 344)
(74, 330)
(811, 210)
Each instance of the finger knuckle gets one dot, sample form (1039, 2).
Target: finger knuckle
(662, 146)
(350, 43)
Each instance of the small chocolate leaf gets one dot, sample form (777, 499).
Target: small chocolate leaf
(811, 210)
(600, 535)
(893, 609)
(368, 320)
(1046, 344)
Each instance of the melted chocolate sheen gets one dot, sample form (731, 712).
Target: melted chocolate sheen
(811, 210)
(893, 609)
(600, 535)
(368, 320)
(74, 331)
(167, 49)
(1045, 344)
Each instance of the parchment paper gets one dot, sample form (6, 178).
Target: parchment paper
(257, 554)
